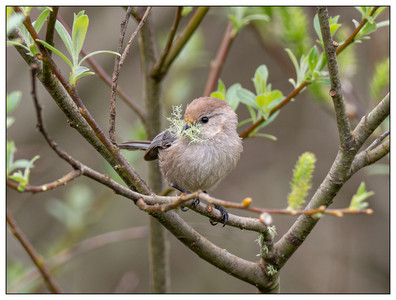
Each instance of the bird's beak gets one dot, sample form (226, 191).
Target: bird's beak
(186, 126)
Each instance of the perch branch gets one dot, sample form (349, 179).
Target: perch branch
(248, 271)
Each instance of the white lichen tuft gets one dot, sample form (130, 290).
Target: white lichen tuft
(193, 133)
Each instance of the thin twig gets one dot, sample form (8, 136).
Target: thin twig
(369, 156)
(48, 186)
(36, 258)
(157, 69)
(85, 246)
(351, 38)
(218, 63)
(116, 73)
(141, 23)
(184, 37)
(299, 89)
(112, 154)
(288, 98)
(106, 78)
(378, 140)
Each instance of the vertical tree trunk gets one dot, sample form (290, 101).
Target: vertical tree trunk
(159, 247)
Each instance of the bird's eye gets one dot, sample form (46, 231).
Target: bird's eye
(204, 119)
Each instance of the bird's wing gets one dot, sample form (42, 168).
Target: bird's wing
(162, 141)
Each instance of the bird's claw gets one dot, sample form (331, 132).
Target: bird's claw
(224, 215)
(195, 202)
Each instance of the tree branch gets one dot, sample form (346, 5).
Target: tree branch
(48, 186)
(369, 157)
(36, 258)
(68, 100)
(344, 127)
(217, 64)
(87, 245)
(49, 37)
(339, 172)
(351, 38)
(288, 98)
(184, 37)
(157, 69)
(106, 78)
(116, 73)
(371, 121)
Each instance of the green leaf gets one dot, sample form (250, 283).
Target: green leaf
(260, 79)
(247, 97)
(220, 92)
(333, 22)
(11, 149)
(186, 10)
(367, 29)
(293, 59)
(14, 21)
(15, 43)
(313, 58)
(65, 36)
(358, 200)
(231, 96)
(317, 28)
(217, 95)
(82, 75)
(79, 31)
(38, 24)
(301, 182)
(98, 52)
(267, 136)
(13, 100)
(53, 49)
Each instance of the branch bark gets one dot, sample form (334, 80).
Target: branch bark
(340, 170)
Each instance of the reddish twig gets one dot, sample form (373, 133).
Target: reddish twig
(217, 64)
(289, 97)
(294, 93)
(48, 186)
(36, 258)
(351, 38)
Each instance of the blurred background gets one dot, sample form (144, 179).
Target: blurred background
(341, 255)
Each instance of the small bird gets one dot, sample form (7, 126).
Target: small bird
(190, 165)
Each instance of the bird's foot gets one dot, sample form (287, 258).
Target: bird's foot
(224, 215)
(195, 201)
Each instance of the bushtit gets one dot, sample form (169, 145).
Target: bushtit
(189, 165)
